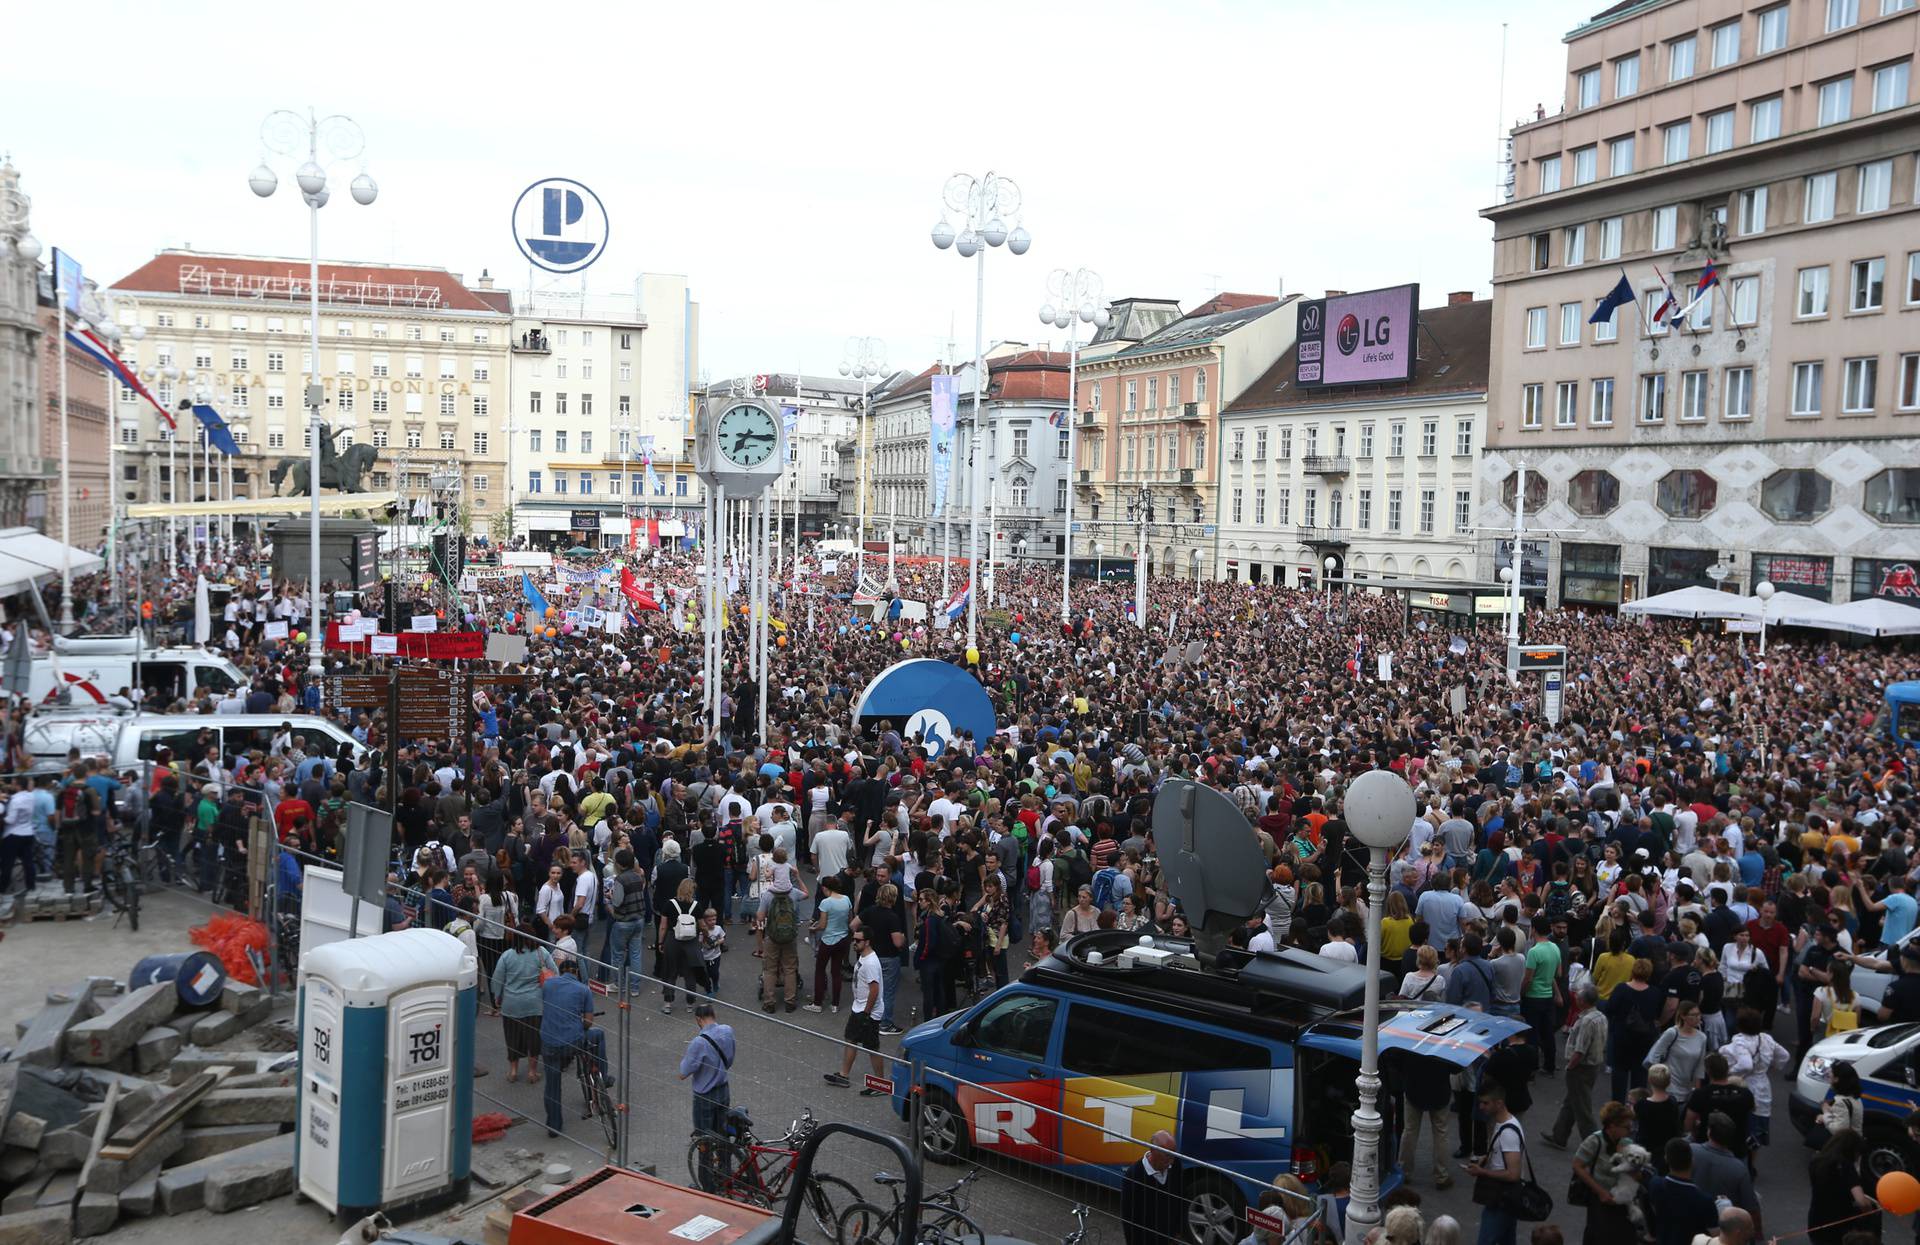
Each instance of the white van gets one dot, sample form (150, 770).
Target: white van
(1887, 1057)
(130, 739)
(97, 668)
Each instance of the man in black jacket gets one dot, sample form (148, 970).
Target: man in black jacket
(1152, 1211)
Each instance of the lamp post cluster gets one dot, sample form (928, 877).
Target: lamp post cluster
(987, 210)
(1074, 298)
(864, 359)
(325, 141)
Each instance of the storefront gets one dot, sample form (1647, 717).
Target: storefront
(1799, 573)
(1590, 575)
(1533, 562)
(1669, 570)
(1897, 579)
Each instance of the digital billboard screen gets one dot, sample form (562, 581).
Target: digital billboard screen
(1358, 339)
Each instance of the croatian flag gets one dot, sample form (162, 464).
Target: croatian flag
(90, 345)
(957, 608)
(1359, 652)
(1664, 312)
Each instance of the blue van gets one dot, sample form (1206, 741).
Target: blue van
(1251, 1065)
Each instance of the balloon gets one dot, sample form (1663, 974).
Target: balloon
(896, 635)
(973, 656)
(551, 633)
(907, 644)
(566, 628)
(439, 613)
(1017, 618)
(1015, 637)
(510, 617)
(843, 628)
(626, 667)
(300, 638)
(552, 610)
(1898, 1193)
(780, 640)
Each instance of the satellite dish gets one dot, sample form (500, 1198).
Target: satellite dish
(1213, 867)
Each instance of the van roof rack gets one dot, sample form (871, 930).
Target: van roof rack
(1287, 984)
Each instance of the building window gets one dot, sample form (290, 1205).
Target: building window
(1463, 438)
(1890, 86)
(241, 395)
(1820, 193)
(1739, 393)
(1743, 296)
(1626, 76)
(1542, 245)
(1693, 397)
(1532, 397)
(1133, 393)
(533, 482)
(1620, 156)
(1869, 285)
(1396, 440)
(1752, 216)
(1259, 445)
(1549, 175)
(1238, 497)
(680, 486)
(1611, 230)
(446, 405)
(1362, 510)
(1862, 377)
(1726, 43)
(1570, 324)
(416, 366)
(1909, 377)
(276, 361)
(1763, 118)
(1655, 327)
(1019, 442)
(559, 402)
(378, 367)
(1593, 493)
(480, 444)
(1239, 444)
(1680, 58)
(1770, 32)
(1259, 506)
(533, 440)
(1566, 404)
(379, 401)
(1674, 140)
(1393, 510)
(1586, 88)
(1426, 511)
(1601, 414)
(1062, 448)
(1893, 496)
(446, 368)
(276, 399)
(1836, 100)
(1808, 381)
(1686, 494)
(1653, 398)
(277, 438)
(481, 370)
(560, 369)
(586, 483)
(559, 481)
(1842, 14)
(1059, 496)
(1876, 187)
(1309, 509)
(1573, 245)
(533, 402)
(1666, 227)
(1536, 328)
(1719, 131)
(1429, 438)
(447, 436)
(1813, 293)
(1586, 166)
(1462, 510)
(414, 333)
(560, 441)
(1913, 277)
(413, 438)
(1799, 495)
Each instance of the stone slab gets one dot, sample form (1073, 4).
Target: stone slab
(60, 1190)
(142, 1197)
(52, 1226)
(26, 1195)
(200, 1143)
(157, 1047)
(183, 1188)
(24, 1129)
(261, 1080)
(95, 1214)
(104, 1038)
(215, 1027)
(16, 1165)
(46, 1035)
(192, 1060)
(237, 1185)
(239, 998)
(113, 1175)
(66, 1149)
(246, 1106)
(9, 1077)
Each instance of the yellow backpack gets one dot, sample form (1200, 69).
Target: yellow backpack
(1842, 1017)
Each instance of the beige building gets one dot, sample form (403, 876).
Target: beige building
(414, 362)
(1774, 432)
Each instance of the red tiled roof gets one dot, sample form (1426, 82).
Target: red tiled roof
(1231, 302)
(1029, 374)
(162, 275)
(499, 300)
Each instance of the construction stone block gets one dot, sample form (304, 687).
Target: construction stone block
(142, 1197)
(245, 1106)
(215, 1027)
(96, 1213)
(239, 998)
(46, 1034)
(237, 1185)
(183, 1188)
(200, 1143)
(262, 1080)
(24, 1130)
(66, 1149)
(104, 1038)
(9, 1077)
(192, 1060)
(26, 1195)
(156, 1048)
(16, 1165)
(51, 1226)
(114, 1175)
(60, 1190)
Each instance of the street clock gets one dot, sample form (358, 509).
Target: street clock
(740, 445)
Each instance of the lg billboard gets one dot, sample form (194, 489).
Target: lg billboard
(1359, 339)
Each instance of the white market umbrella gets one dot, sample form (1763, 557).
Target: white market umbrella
(1790, 609)
(1874, 616)
(1695, 602)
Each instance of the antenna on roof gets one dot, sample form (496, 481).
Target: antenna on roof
(1502, 149)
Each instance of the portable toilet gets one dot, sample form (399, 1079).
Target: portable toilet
(386, 1071)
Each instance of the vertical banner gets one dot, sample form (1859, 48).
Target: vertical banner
(941, 440)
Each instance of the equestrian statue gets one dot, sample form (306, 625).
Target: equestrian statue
(344, 472)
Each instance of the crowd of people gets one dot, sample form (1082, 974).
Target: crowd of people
(1671, 887)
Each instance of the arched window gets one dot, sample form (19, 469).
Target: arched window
(1020, 491)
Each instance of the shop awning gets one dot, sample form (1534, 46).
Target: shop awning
(29, 556)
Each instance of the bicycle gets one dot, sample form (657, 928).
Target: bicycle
(599, 1102)
(943, 1217)
(120, 877)
(738, 1166)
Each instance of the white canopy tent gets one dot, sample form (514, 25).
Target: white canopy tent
(30, 557)
(1790, 609)
(1875, 616)
(1695, 602)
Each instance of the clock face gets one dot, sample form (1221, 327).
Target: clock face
(747, 436)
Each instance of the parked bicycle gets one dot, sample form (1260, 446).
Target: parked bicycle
(599, 1100)
(943, 1217)
(120, 874)
(739, 1166)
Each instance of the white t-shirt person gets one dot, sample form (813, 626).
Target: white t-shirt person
(866, 974)
(1505, 1143)
(831, 848)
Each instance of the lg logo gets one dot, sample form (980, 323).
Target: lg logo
(1355, 332)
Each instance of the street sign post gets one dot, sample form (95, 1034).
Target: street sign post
(1551, 695)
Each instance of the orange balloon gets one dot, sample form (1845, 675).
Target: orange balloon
(551, 632)
(780, 640)
(1898, 1193)
(552, 610)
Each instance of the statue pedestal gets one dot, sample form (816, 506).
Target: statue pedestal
(349, 552)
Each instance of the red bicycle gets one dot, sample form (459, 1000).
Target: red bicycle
(738, 1166)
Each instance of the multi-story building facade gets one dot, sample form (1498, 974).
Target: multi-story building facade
(412, 360)
(29, 472)
(1774, 432)
(598, 392)
(89, 496)
(1149, 412)
(1380, 478)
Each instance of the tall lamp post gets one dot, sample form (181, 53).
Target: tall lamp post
(864, 359)
(984, 206)
(326, 141)
(1141, 508)
(1380, 812)
(1074, 298)
(1764, 590)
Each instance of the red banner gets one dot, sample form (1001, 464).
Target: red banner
(432, 645)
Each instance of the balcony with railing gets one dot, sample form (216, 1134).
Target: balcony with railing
(1195, 412)
(1089, 418)
(533, 341)
(1327, 464)
(1323, 534)
(1186, 475)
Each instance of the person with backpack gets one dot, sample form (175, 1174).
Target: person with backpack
(77, 841)
(780, 896)
(1633, 1022)
(1110, 886)
(679, 955)
(1073, 858)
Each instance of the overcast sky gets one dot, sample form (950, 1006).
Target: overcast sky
(789, 158)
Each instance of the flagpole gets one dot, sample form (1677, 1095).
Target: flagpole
(66, 479)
